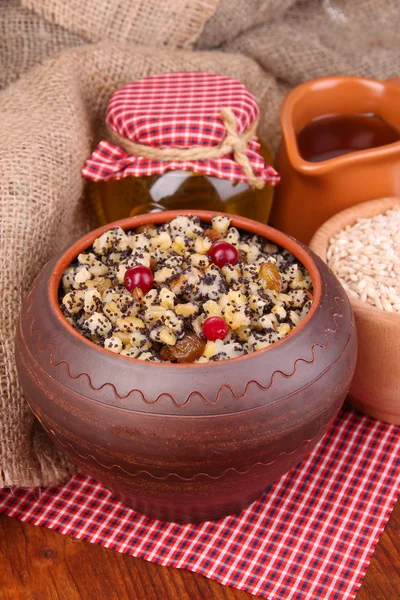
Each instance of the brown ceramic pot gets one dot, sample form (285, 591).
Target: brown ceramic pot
(312, 192)
(187, 442)
(375, 389)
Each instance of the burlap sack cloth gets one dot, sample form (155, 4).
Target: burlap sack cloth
(52, 115)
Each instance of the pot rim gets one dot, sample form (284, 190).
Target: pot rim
(296, 95)
(320, 242)
(274, 235)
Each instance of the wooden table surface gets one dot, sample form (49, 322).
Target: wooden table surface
(39, 564)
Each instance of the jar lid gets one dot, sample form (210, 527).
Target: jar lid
(200, 122)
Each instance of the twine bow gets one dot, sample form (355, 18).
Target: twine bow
(234, 143)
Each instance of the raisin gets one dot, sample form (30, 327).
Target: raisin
(166, 354)
(271, 276)
(101, 284)
(186, 350)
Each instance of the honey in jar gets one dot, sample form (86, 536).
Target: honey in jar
(181, 141)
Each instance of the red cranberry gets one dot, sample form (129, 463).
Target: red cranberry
(139, 276)
(215, 328)
(222, 253)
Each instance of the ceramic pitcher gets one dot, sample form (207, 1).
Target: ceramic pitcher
(312, 192)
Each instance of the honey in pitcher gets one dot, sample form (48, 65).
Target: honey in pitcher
(336, 135)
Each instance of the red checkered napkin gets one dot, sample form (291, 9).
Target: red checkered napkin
(310, 536)
(177, 110)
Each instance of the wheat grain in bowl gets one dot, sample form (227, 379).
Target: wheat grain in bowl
(366, 259)
(185, 292)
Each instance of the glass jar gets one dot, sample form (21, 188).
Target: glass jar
(117, 199)
(181, 140)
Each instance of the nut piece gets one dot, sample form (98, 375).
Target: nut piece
(137, 294)
(271, 276)
(186, 350)
(145, 228)
(212, 235)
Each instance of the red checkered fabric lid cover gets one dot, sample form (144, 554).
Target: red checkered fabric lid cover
(178, 111)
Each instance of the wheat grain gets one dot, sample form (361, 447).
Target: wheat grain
(366, 259)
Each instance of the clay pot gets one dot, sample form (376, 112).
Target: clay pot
(187, 442)
(375, 389)
(312, 192)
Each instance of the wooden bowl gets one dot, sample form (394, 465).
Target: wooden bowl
(375, 389)
(187, 442)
